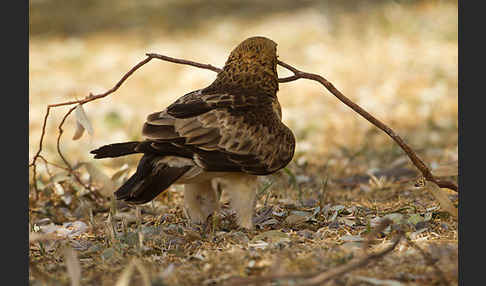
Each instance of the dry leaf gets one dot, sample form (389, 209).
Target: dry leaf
(58, 189)
(82, 123)
(75, 228)
(352, 238)
(272, 236)
(258, 244)
(68, 229)
(79, 131)
(444, 201)
(295, 219)
(72, 265)
(192, 235)
(346, 221)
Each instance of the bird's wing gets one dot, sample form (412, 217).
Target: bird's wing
(224, 132)
(198, 102)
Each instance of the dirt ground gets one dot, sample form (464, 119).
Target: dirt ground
(396, 59)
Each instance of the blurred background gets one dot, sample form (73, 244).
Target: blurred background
(396, 59)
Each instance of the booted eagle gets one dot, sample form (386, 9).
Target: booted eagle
(230, 130)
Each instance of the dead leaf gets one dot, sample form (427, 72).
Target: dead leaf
(352, 238)
(107, 254)
(268, 222)
(192, 235)
(346, 221)
(79, 131)
(415, 218)
(444, 201)
(272, 236)
(258, 244)
(82, 123)
(295, 219)
(396, 218)
(281, 213)
(68, 229)
(75, 228)
(58, 189)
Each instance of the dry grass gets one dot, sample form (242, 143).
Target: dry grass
(398, 60)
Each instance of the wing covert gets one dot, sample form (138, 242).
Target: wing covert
(224, 132)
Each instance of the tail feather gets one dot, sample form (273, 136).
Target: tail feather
(116, 150)
(149, 181)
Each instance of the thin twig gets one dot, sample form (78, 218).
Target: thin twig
(183, 62)
(321, 277)
(34, 170)
(333, 273)
(92, 97)
(419, 163)
(297, 75)
(89, 98)
(52, 164)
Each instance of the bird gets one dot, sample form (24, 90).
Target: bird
(231, 130)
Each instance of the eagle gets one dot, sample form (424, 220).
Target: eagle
(231, 130)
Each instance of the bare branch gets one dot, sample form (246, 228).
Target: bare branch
(89, 98)
(333, 273)
(297, 75)
(416, 160)
(183, 62)
(92, 97)
(311, 279)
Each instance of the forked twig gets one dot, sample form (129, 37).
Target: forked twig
(297, 75)
(92, 97)
(348, 267)
(319, 278)
(419, 163)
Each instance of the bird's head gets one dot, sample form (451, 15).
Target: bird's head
(252, 65)
(258, 49)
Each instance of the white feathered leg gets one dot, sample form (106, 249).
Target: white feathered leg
(200, 200)
(242, 191)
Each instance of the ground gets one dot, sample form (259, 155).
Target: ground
(396, 59)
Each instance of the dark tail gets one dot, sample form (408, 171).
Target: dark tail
(150, 179)
(116, 150)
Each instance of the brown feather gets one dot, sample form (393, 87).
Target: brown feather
(233, 125)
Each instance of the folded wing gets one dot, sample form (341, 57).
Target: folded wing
(224, 132)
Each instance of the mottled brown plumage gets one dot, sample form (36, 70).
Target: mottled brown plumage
(251, 66)
(231, 129)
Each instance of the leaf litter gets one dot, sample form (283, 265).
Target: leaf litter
(292, 235)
